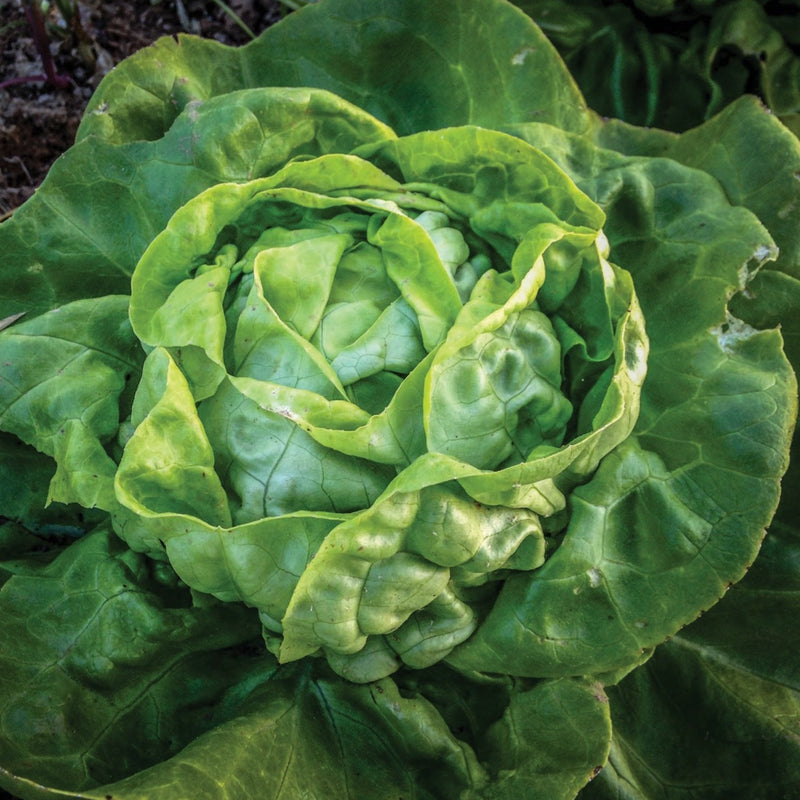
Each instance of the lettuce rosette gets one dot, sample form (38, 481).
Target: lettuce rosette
(363, 427)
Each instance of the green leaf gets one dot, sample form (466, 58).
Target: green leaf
(759, 37)
(726, 687)
(443, 85)
(258, 563)
(677, 64)
(413, 263)
(392, 343)
(479, 385)
(108, 665)
(302, 733)
(394, 434)
(266, 348)
(64, 381)
(168, 463)
(325, 306)
(628, 66)
(551, 740)
(493, 171)
(184, 288)
(101, 205)
(90, 339)
(271, 465)
(741, 147)
(27, 473)
(284, 278)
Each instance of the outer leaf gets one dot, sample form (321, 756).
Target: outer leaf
(741, 147)
(107, 665)
(307, 735)
(23, 490)
(142, 96)
(100, 348)
(756, 161)
(730, 680)
(626, 66)
(131, 655)
(319, 737)
(726, 689)
(536, 739)
(742, 170)
(550, 742)
(764, 54)
(25, 552)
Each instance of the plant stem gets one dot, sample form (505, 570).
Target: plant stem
(33, 12)
(235, 17)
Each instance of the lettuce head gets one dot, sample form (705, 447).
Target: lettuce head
(375, 416)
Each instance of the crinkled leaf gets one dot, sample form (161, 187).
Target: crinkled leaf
(101, 205)
(375, 570)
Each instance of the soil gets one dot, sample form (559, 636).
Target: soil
(38, 120)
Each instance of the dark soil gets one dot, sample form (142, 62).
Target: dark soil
(38, 120)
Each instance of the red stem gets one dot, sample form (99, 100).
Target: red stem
(26, 79)
(36, 20)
